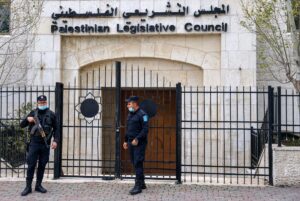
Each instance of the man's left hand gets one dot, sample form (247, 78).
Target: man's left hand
(135, 142)
(53, 145)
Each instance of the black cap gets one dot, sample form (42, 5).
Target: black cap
(42, 98)
(132, 99)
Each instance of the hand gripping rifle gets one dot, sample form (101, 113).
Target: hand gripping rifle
(38, 128)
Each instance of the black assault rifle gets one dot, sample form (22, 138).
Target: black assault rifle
(38, 128)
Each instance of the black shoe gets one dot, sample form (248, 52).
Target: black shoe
(39, 187)
(136, 189)
(143, 184)
(27, 189)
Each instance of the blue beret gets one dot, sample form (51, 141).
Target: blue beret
(132, 99)
(42, 98)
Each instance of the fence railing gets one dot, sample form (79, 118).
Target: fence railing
(223, 134)
(217, 123)
(287, 117)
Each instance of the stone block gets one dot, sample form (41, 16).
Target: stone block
(43, 43)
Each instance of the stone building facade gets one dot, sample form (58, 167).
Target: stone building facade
(198, 43)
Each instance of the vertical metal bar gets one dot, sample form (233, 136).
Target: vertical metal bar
(210, 135)
(265, 108)
(244, 134)
(86, 124)
(217, 142)
(279, 116)
(270, 132)
(293, 115)
(93, 126)
(178, 132)
(191, 132)
(224, 135)
(98, 123)
(13, 132)
(74, 124)
(110, 137)
(163, 131)
(237, 134)
(197, 93)
(59, 116)
(118, 115)
(230, 134)
(6, 117)
(80, 89)
(184, 136)
(257, 126)
(250, 120)
(204, 134)
(19, 117)
(68, 129)
(286, 114)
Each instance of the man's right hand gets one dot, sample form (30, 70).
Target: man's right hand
(30, 119)
(125, 145)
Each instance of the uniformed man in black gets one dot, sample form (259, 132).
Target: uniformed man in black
(39, 148)
(136, 141)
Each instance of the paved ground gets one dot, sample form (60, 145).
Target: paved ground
(114, 190)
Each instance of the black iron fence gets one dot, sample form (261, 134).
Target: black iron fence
(217, 133)
(200, 134)
(287, 117)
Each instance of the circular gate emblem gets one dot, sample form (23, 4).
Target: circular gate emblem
(89, 108)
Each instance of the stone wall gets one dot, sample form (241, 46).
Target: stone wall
(233, 64)
(286, 165)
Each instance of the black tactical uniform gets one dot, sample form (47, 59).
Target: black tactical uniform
(38, 150)
(137, 128)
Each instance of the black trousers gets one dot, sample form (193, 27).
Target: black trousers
(137, 155)
(40, 153)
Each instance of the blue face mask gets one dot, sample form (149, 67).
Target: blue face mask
(44, 107)
(131, 109)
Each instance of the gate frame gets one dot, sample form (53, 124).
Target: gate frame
(178, 131)
(270, 132)
(59, 90)
(117, 121)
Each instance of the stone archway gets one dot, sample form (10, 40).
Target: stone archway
(172, 52)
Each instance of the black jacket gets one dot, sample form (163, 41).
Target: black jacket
(49, 123)
(137, 126)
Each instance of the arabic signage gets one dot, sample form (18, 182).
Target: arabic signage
(142, 26)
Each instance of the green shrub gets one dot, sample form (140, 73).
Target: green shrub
(13, 138)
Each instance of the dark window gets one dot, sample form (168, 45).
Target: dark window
(296, 9)
(4, 16)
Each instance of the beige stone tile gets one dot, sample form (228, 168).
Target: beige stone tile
(195, 57)
(179, 53)
(211, 78)
(84, 57)
(212, 61)
(163, 51)
(147, 49)
(70, 62)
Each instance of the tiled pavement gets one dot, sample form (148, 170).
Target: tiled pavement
(118, 190)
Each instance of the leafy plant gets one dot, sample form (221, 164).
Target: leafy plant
(13, 138)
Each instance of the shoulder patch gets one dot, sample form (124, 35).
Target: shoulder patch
(145, 118)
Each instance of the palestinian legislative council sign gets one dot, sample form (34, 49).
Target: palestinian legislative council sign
(60, 23)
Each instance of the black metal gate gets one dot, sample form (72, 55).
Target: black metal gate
(94, 124)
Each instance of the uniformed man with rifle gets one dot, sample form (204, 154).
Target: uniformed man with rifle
(43, 126)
